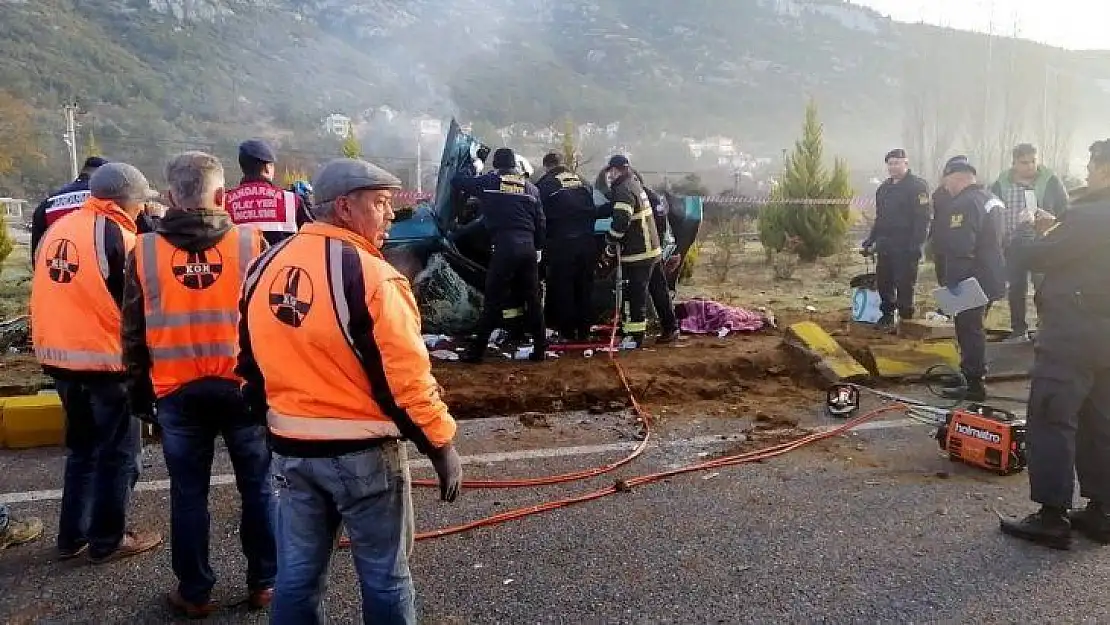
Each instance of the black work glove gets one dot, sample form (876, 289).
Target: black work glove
(448, 468)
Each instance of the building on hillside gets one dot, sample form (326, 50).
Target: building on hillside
(337, 124)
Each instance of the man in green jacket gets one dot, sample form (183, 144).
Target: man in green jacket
(1026, 186)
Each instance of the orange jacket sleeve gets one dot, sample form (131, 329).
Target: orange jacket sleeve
(404, 357)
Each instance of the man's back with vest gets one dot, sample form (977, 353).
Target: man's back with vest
(180, 337)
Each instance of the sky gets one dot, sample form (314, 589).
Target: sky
(1072, 24)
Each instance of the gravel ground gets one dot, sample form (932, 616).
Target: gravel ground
(870, 527)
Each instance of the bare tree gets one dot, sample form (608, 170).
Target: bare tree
(933, 113)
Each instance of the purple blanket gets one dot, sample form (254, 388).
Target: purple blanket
(703, 316)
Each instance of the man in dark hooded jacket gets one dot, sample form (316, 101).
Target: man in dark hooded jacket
(63, 201)
(570, 213)
(179, 314)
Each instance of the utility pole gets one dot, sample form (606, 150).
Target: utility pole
(70, 136)
(419, 158)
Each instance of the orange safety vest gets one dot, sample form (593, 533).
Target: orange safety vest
(191, 301)
(317, 383)
(75, 322)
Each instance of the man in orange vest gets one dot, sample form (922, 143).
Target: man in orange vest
(333, 360)
(180, 314)
(259, 203)
(75, 326)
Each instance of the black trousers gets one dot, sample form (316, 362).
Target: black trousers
(644, 281)
(1068, 431)
(896, 277)
(971, 336)
(513, 270)
(570, 282)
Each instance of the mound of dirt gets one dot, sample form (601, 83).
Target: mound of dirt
(743, 373)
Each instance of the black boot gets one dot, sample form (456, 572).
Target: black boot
(539, 353)
(474, 353)
(1093, 522)
(886, 322)
(669, 336)
(976, 390)
(1048, 526)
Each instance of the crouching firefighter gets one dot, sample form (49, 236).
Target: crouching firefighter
(568, 206)
(180, 307)
(633, 234)
(512, 213)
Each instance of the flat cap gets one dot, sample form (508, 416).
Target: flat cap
(895, 153)
(344, 175)
(619, 160)
(258, 150)
(121, 182)
(93, 162)
(958, 164)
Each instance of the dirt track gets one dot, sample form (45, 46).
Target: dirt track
(739, 375)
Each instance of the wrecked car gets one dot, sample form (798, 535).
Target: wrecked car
(446, 261)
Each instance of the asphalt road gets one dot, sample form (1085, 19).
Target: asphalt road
(870, 527)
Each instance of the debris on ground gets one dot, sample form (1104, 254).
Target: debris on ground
(705, 316)
(448, 305)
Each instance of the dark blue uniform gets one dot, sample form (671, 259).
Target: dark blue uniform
(1069, 403)
(513, 216)
(966, 243)
(569, 209)
(901, 223)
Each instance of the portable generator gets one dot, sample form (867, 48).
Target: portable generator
(978, 435)
(985, 437)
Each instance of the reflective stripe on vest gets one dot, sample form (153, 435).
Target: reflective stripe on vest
(63, 204)
(263, 206)
(75, 321)
(191, 306)
(323, 428)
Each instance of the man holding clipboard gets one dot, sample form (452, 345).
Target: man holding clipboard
(969, 250)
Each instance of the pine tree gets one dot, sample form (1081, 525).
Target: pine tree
(351, 147)
(92, 148)
(812, 230)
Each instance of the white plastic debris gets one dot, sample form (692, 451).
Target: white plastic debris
(722, 333)
(811, 309)
(431, 340)
(589, 353)
(443, 354)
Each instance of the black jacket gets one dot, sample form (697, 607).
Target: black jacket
(968, 241)
(633, 226)
(568, 204)
(510, 207)
(193, 231)
(902, 210)
(1073, 301)
(38, 218)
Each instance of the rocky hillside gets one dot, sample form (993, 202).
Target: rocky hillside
(157, 75)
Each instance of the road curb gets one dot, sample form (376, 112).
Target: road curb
(28, 421)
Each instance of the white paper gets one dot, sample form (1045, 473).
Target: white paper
(971, 296)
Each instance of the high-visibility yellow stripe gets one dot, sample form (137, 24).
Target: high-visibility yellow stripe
(325, 428)
(634, 326)
(622, 206)
(512, 313)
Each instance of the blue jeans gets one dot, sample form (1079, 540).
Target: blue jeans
(191, 419)
(102, 450)
(369, 494)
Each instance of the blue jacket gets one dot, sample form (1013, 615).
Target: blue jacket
(511, 208)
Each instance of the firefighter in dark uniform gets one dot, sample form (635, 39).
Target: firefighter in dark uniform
(633, 234)
(1068, 419)
(897, 237)
(571, 252)
(511, 211)
(969, 244)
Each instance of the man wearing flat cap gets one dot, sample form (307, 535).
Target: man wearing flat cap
(513, 215)
(898, 236)
(968, 242)
(259, 203)
(1068, 419)
(333, 362)
(76, 296)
